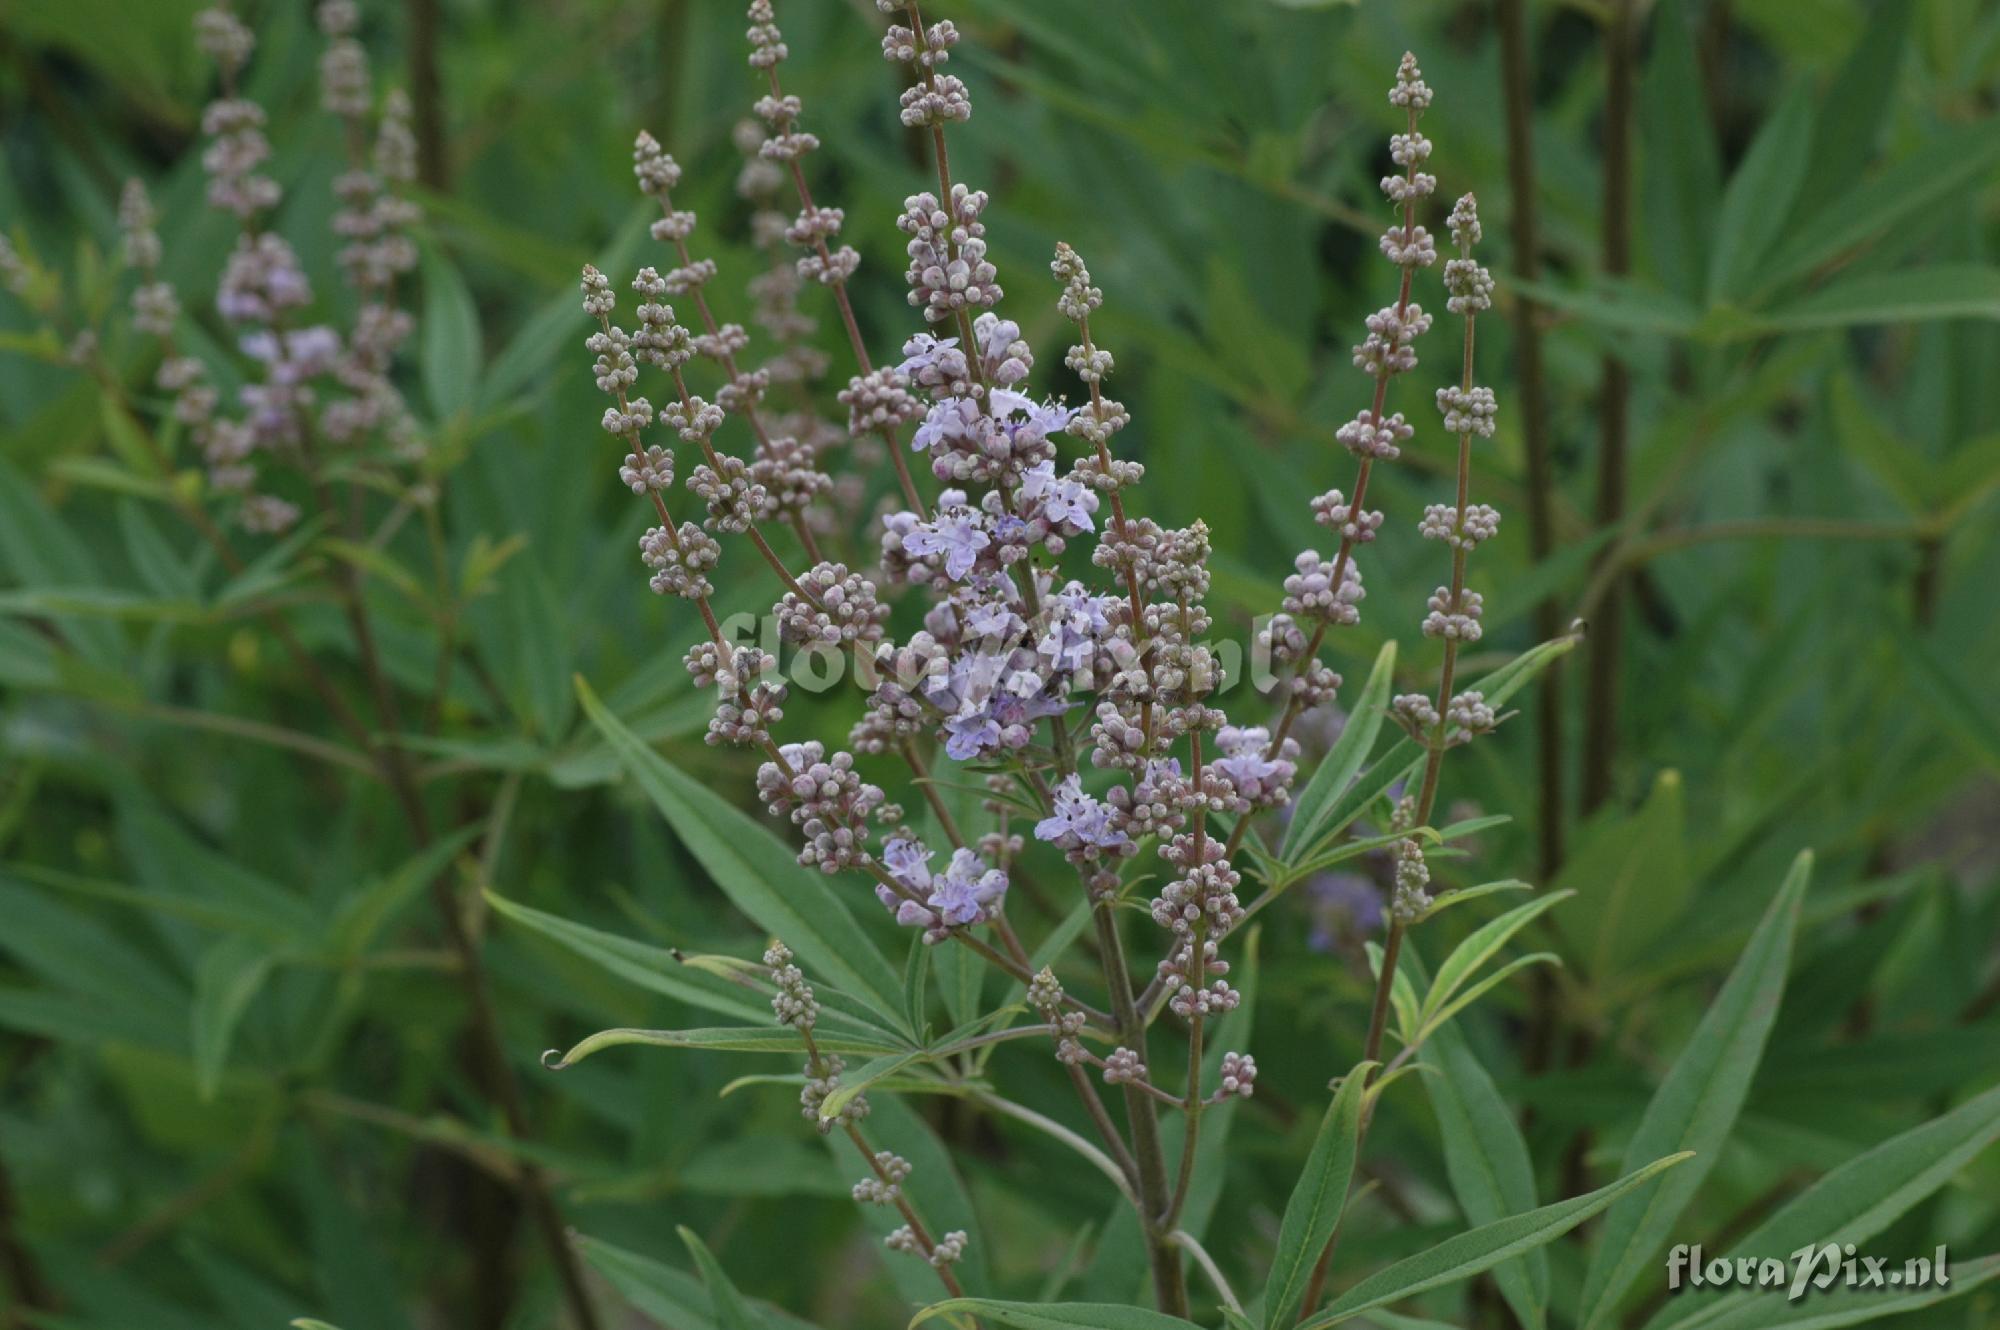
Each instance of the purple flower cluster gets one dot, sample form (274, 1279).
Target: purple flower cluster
(319, 385)
(966, 893)
(1088, 698)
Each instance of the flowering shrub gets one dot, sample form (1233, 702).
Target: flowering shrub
(1084, 815)
(1063, 636)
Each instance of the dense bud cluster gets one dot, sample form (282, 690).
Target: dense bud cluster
(1061, 641)
(307, 383)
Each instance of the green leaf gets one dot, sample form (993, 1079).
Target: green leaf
(180, 868)
(42, 551)
(1317, 1199)
(1912, 295)
(1759, 197)
(1856, 1201)
(673, 1298)
(1480, 946)
(1479, 990)
(1402, 993)
(158, 564)
(1480, 1249)
(1051, 1315)
(1631, 873)
(757, 873)
(1696, 1105)
(451, 354)
(1403, 759)
(365, 912)
(1825, 1309)
(555, 328)
(731, 1311)
(536, 648)
(1382, 1320)
(1399, 766)
(1961, 711)
(1852, 112)
(635, 962)
(935, 1189)
(916, 981)
(273, 568)
(364, 558)
(1898, 468)
(1681, 171)
(670, 1297)
(1343, 761)
(1938, 172)
(1467, 894)
(226, 979)
(723, 1039)
(858, 1080)
(1487, 1160)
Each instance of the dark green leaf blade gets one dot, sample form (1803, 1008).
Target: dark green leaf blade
(757, 873)
(1317, 1199)
(1696, 1105)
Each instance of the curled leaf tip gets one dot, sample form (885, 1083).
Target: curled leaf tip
(553, 1059)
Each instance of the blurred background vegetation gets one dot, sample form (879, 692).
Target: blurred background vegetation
(233, 1085)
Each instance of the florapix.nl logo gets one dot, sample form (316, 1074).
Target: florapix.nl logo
(1821, 1266)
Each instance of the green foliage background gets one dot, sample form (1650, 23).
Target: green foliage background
(229, 1037)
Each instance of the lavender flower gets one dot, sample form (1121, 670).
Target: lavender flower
(968, 892)
(956, 534)
(1022, 655)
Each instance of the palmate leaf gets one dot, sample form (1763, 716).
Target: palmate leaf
(1696, 1106)
(1480, 1249)
(1317, 1199)
(759, 875)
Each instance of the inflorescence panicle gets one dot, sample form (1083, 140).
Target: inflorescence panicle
(1094, 694)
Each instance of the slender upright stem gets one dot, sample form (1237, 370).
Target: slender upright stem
(427, 95)
(1295, 705)
(841, 301)
(1600, 744)
(1169, 1280)
(925, 1242)
(31, 1288)
(1517, 80)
